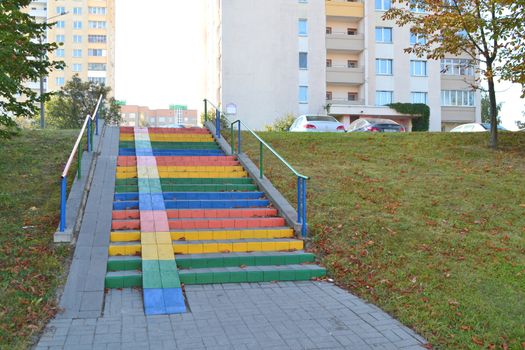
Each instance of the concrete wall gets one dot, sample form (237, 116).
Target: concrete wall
(259, 58)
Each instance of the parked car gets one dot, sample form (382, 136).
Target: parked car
(316, 123)
(375, 125)
(475, 127)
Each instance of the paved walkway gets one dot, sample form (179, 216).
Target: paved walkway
(283, 315)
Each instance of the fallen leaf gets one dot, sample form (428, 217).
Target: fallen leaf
(477, 341)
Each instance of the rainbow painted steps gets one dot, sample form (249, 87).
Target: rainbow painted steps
(185, 213)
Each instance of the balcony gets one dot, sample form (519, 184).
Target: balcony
(341, 102)
(345, 76)
(345, 42)
(38, 13)
(343, 8)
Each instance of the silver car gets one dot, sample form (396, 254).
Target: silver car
(316, 123)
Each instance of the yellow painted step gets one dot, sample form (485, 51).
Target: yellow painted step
(199, 235)
(198, 247)
(171, 138)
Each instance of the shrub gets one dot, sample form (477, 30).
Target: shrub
(420, 123)
(281, 124)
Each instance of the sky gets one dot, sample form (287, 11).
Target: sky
(160, 58)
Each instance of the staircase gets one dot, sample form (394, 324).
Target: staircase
(186, 213)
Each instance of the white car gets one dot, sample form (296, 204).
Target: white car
(475, 127)
(316, 123)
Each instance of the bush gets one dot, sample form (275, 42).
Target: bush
(420, 123)
(281, 124)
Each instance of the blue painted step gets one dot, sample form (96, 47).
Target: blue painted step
(193, 204)
(192, 195)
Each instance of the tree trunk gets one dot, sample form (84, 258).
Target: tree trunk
(493, 142)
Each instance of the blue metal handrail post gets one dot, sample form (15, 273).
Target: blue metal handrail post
(89, 134)
(299, 211)
(96, 124)
(63, 189)
(218, 123)
(303, 207)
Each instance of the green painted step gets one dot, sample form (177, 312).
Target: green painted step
(251, 274)
(196, 261)
(128, 279)
(123, 279)
(173, 145)
(189, 181)
(193, 188)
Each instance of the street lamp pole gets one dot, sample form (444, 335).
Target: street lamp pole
(42, 106)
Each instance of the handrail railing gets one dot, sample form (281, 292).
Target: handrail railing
(301, 179)
(77, 149)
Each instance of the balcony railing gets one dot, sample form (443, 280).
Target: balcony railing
(343, 102)
(341, 8)
(345, 42)
(345, 75)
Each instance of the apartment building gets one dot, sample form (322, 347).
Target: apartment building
(367, 68)
(85, 31)
(266, 57)
(133, 115)
(339, 57)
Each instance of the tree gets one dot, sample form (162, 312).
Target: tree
(68, 108)
(23, 57)
(480, 29)
(485, 109)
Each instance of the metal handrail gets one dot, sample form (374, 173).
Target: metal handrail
(301, 179)
(77, 150)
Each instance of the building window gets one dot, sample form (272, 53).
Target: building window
(417, 39)
(415, 8)
(303, 60)
(61, 24)
(97, 24)
(303, 94)
(418, 68)
(383, 5)
(77, 11)
(384, 98)
(97, 80)
(77, 53)
(460, 98)
(60, 10)
(97, 39)
(97, 66)
(97, 10)
(384, 35)
(96, 52)
(328, 30)
(303, 27)
(351, 64)
(77, 39)
(77, 67)
(352, 96)
(329, 62)
(329, 95)
(59, 81)
(419, 97)
(351, 31)
(60, 38)
(60, 53)
(383, 66)
(77, 25)
(457, 66)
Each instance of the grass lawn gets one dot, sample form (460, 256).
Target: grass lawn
(430, 227)
(31, 267)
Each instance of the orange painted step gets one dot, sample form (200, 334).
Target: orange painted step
(190, 224)
(201, 213)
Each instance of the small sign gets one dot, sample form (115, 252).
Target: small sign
(178, 107)
(231, 109)
(121, 102)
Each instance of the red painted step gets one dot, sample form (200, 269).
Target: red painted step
(209, 223)
(191, 224)
(201, 213)
(130, 130)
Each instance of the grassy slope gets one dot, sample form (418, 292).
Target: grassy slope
(430, 227)
(30, 265)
